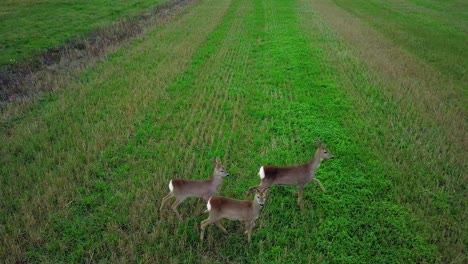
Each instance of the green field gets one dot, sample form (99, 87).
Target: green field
(30, 26)
(255, 82)
(433, 30)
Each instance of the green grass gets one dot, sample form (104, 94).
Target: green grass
(433, 30)
(249, 81)
(29, 27)
(418, 122)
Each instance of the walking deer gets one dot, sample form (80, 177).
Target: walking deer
(182, 189)
(293, 175)
(240, 210)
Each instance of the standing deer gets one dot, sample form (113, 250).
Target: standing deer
(293, 175)
(182, 189)
(246, 211)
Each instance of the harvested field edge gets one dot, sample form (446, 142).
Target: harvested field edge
(54, 68)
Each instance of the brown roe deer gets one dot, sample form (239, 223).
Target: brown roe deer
(182, 189)
(240, 210)
(293, 175)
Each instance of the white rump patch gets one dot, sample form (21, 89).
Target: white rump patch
(208, 205)
(170, 186)
(261, 173)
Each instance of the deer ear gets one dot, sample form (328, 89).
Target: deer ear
(319, 143)
(265, 192)
(249, 192)
(217, 161)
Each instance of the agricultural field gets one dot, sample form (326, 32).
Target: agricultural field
(83, 169)
(30, 26)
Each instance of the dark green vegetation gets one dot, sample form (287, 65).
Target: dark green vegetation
(433, 30)
(29, 27)
(254, 82)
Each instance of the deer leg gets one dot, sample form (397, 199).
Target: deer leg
(249, 226)
(319, 184)
(203, 224)
(174, 207)
(218, 224)
(300, 191)
(164, 200)
(252, 227)
(246, 227)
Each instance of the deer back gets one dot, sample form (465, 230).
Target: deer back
(231, 209)
(200, 188)
(193, 188)
(285, 175)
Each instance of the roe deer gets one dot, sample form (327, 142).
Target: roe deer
(246, 211)
(293, 175)
(182, 189)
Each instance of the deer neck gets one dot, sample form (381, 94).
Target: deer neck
(256, 208)
(216, 180)
(314, 164)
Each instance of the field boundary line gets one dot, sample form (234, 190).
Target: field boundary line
(55, 68)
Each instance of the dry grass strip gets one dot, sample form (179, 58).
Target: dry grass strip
(56, 67)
